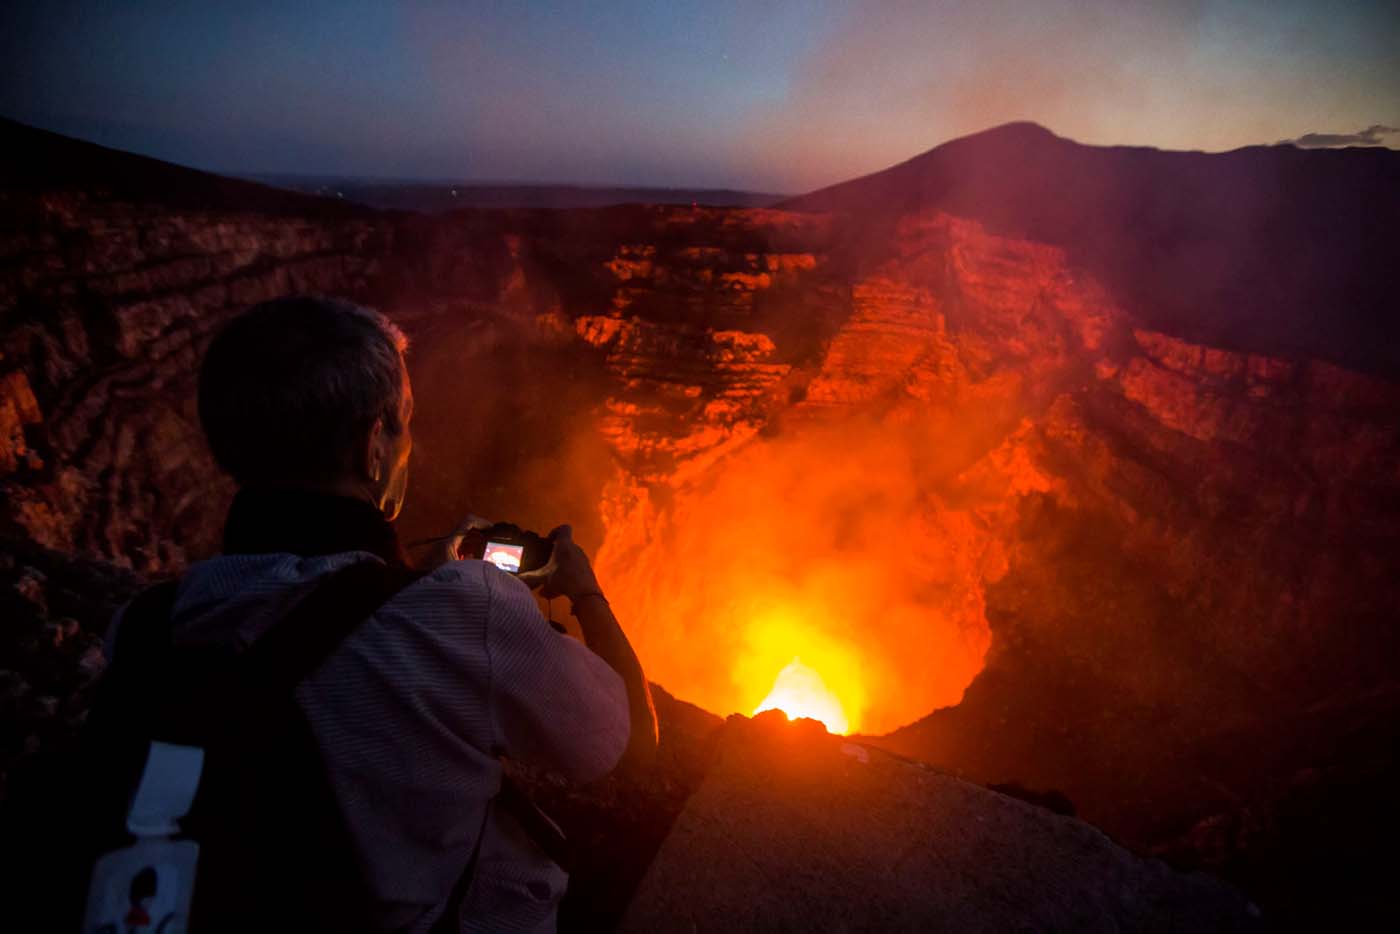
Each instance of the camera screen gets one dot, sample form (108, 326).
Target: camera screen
(506, 557)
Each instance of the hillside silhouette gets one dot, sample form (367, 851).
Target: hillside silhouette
(1269, 249)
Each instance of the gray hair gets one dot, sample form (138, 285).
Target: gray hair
(291, 386)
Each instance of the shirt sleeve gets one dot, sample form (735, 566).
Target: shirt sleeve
(109, 638)
(554, 702)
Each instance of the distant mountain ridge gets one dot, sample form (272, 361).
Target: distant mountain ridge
(32, 159)
(1270, 249)
(36, 159)
(1265, 249)
(435, 197)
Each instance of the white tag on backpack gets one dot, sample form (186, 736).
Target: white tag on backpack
(166, 790)
(149, 886)
(146, 887)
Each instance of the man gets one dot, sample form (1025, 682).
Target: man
(306, 403)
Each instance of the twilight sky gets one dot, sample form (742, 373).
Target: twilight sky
(769, 95)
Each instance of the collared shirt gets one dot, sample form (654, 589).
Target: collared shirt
(410, 714)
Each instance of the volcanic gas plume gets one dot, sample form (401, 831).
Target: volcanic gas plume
(817, 574)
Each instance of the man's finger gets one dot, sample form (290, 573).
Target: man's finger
(538, 576)
(470, 523)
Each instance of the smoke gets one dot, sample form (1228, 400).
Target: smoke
(503, 428)
(827, 545)
(1371, 136)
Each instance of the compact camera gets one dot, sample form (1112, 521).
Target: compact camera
(509, 547)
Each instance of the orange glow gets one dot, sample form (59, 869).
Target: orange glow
(817, 676)
(800, 692)
(825, 546)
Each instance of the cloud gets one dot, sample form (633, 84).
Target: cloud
(896, 78)
(1371, 136)
(893, 78)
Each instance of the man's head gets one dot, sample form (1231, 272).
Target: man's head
(310, 393)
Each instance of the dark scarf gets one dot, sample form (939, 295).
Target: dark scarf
(307, 524)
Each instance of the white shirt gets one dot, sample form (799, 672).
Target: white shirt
(410, 713)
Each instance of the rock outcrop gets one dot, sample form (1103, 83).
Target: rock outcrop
(796, 830)
(55, 610)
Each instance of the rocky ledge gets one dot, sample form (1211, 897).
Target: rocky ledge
(793, 829)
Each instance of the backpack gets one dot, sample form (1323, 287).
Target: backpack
(274, 852)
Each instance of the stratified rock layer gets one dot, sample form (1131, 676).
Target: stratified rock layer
(107, 309)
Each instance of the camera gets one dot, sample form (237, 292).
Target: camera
(509, 547)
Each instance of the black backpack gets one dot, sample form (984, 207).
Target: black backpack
(274, 851)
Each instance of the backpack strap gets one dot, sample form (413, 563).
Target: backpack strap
(237, 693)
(300, 642)
(211, 692)
(144, 628)
(266, 778)
(68, 805)
(122, 707)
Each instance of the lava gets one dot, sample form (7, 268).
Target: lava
(799, 691)
(828, 546)
(819, 675)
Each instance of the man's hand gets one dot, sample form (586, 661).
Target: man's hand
(449, 549)
(568, 572)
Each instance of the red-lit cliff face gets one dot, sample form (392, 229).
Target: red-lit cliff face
(106, 314)
(943, 464)
(847, 505)
(115, 271)
(1205, 583)
(988, 436)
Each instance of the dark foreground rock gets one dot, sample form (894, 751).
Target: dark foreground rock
(794, 829)
(615, 827)
(53, 612)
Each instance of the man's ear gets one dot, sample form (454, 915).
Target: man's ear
(372, 455)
